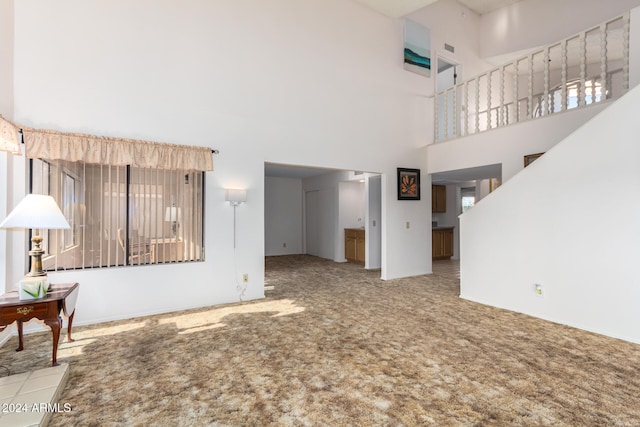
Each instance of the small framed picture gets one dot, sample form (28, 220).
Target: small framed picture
(528, 159)
(408, 184)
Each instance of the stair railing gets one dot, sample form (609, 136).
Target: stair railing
(587, 68)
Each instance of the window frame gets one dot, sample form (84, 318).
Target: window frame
(91, 215)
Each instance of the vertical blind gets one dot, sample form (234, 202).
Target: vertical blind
(121, 215)
(128, 202)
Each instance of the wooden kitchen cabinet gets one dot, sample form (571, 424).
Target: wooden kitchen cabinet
(354, 244)
(442, 243)
(438, 198)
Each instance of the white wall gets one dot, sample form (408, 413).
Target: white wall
(283, 216)
(548, 225)
(329, 237)
(634, 48)
(6, 53)
(508, 145)
(532, 23)
(317, 83)
(454, 24)
(6, 109)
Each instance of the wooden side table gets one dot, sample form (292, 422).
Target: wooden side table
(60, 299)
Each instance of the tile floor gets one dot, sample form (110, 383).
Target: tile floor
(28, 399)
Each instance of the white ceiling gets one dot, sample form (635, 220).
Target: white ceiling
(398, 8)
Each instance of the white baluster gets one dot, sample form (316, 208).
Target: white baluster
(603, 62)
(530, 89)
(563, 76)
(436, 119)
(501, 108)
(516, 101)
(625, 53)
(455, 111)
(446, 114)
(477, 105)
(545, 95)
(489, 99)
(466, 108)
(583, 70)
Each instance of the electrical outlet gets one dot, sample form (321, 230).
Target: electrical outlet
(284, 245)
(538, 289)
(245, 278)
(374, 223)
(408, 225)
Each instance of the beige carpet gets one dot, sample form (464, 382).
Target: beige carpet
(332, 345)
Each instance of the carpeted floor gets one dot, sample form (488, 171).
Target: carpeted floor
(333, 345)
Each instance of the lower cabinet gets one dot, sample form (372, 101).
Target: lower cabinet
(442, 243)
(354, 245)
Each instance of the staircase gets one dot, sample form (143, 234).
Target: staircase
(561, 239)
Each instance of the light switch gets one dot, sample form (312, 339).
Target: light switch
(408, 225)
(374, 223)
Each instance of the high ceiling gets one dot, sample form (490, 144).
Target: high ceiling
(398, 8)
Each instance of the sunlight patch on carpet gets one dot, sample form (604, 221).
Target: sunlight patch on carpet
(211, 319)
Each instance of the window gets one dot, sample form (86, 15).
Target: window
(121, 215)
(592, 93)
(69, 198)
(468, 198)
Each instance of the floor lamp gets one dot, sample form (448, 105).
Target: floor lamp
(235, 197)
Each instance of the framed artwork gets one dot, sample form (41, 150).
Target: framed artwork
(408, 184)
(494, 183)
(417, 48)
(528, 159)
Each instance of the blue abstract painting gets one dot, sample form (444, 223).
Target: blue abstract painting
(417, 48)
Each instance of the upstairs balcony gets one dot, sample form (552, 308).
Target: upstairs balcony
(579, 71)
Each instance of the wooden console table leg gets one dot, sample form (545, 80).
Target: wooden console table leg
(69, 327)
(55, 324)
(20, 343)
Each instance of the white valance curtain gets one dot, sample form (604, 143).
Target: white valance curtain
(74, 147)
(9, 137)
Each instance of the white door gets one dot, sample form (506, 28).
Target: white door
(447, 77)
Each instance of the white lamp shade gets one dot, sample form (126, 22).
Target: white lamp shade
(236, 196)
(172, 213)
(36, 211)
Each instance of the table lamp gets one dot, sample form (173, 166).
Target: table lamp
(36, 211)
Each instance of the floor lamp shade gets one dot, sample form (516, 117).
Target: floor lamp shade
(36, 211)
(236, 196)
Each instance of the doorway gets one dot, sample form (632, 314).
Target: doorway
(307, 210)
(447, 77)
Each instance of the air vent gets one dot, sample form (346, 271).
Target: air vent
(449, 48)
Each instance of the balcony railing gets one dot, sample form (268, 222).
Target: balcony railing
(581, 70)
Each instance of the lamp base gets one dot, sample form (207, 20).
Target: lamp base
(36, 253)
